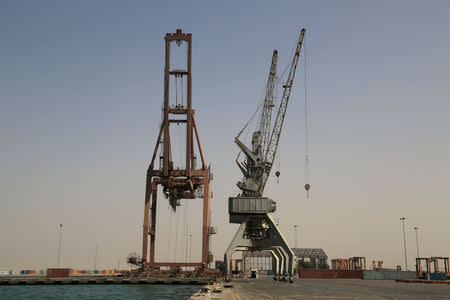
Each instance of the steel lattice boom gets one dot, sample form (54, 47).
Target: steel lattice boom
(259, 160)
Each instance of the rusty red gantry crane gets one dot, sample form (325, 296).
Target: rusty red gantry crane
(176, 183)
(258, 230)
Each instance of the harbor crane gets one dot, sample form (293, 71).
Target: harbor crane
(258, 231)
(178, 183)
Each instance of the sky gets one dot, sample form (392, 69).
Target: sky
(81, 89)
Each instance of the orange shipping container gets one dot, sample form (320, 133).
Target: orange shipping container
(58, 273)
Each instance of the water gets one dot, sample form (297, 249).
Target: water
(116, 291)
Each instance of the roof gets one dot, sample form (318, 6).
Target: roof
(309, 252)
(299, 252)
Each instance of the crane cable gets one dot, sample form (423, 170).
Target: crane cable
(168, 241)
(176, 236)
(260, 105)
(279, 80)
(307, 159)
(182, 91)
(258, 108)
(176, 91)
(186, 229)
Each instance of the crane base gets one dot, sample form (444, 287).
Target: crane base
(283, 259)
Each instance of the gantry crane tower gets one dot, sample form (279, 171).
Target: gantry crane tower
(177, 183)
(258, 230)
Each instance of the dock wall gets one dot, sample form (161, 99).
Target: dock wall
(313, 273)
(389, 275)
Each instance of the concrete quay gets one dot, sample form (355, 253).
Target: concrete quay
(312, 288)
(30, 280)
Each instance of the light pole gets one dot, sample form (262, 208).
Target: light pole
(95, 257)
(59, 248)
(417, 241)
(404, 241)
(295, 229)
(190, 246)
(186, 246)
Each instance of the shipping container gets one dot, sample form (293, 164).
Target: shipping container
(436, 276)
(356, 274)
(389, 275)
(313, 273)
(372, 275)
(4, 273)
(58, 272)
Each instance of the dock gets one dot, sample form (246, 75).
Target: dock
(314, 288)
(101, 280)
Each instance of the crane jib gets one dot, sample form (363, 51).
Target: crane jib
(260, 158)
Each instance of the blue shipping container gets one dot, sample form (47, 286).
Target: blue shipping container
(437, 276)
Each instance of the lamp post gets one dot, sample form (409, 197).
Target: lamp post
(186, 247)
(59, 248)
(190, 246)
(95, 257)
(295, 229)
(417, 241)
(404, 241)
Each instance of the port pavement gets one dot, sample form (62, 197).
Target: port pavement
(311, 288)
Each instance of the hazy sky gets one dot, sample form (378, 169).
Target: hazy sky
(81, 87)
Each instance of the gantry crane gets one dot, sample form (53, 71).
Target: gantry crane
(177, 183)
(258, 230)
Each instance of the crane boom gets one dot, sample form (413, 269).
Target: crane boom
(278, 124)
(266, 116)
(260, 158)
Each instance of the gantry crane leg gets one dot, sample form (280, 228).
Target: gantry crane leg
(274, 241)
(275, 264)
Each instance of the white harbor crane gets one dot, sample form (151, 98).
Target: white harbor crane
(258, 231)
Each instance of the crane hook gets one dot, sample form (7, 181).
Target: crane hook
(277, 173)
(307, 188)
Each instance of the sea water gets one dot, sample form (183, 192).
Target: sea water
(85, 291)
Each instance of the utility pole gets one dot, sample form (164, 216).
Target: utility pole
(404, 241)
(417, 241)
(186, 248)
(95, 258)
(295, 229)
(190, 247)
(59, 248)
